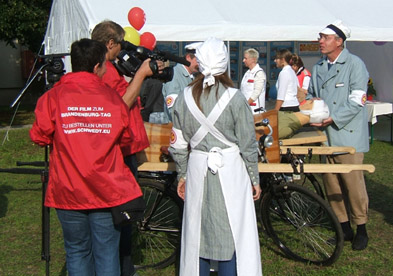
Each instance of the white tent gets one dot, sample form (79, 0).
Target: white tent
(185, 20)
(230, 20)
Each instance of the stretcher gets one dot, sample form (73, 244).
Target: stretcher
(308, 141)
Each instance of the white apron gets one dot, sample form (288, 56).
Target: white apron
(236, 188)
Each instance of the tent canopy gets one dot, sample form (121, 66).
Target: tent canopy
(263, 20)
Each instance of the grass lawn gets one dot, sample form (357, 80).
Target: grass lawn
(20, 221)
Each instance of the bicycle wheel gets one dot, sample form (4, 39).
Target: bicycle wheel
(157, 237)
(302, 224)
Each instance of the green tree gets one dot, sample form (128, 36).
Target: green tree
(24, 20)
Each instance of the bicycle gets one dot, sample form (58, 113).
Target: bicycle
(157, 237)
(299, 221)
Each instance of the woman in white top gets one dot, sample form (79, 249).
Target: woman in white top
(253, 85)
(286, 84)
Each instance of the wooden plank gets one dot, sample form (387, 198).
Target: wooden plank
(318, 150)
(315, 168)
(272, 153)
(305, 136)
(157, 166)
(274, 167)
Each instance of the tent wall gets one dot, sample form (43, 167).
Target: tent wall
(378, 58)
(186, 20)
(232, 20)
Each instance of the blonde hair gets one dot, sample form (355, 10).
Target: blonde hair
(252, 53)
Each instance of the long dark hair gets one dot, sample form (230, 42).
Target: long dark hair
(197, 86)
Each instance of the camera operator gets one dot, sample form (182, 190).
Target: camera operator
(112, 34)
(86, 122)
(182, 77)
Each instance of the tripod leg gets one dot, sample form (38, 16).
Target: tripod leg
(45, 249)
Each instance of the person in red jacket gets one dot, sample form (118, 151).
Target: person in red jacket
(303, 76)
(86, 123)
(112, 34)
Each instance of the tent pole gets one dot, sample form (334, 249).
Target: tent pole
(229, 59)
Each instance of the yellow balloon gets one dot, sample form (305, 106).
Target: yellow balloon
(132, 36)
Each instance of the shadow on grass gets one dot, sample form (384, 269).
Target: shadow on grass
(4, 189)
(381, 198)
(266, 242)
(63, 271)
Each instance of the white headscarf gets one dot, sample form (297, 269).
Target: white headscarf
(212, 57)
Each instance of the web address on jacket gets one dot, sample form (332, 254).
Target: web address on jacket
(86, 128)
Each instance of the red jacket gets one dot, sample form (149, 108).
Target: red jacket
(85, 122)
(137, 127)
(301, 75)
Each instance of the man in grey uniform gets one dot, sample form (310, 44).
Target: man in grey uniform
(340, 79)
(182, 77)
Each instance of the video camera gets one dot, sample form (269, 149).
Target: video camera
(54, 66)
(131, 57)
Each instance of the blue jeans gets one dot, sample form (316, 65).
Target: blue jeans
(91, 242)
(225, 268)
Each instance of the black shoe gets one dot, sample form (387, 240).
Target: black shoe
(360, 242)
(348, 236)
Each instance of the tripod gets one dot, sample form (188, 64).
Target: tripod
(54, 67)
(45, 225)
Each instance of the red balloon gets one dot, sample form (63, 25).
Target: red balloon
(137, 18)
(148, 40)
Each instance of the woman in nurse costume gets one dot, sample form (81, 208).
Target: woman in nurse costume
(215, 150)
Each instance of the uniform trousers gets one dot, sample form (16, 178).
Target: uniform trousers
(347, 192)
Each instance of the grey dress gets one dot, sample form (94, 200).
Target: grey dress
(236, 123)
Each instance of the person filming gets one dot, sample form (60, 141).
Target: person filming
(86, 124)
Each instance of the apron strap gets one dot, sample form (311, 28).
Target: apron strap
(207, 124)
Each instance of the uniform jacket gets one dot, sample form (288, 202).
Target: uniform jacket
(137, 127)
(85, 122)
(181, 79)
(343, 88)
